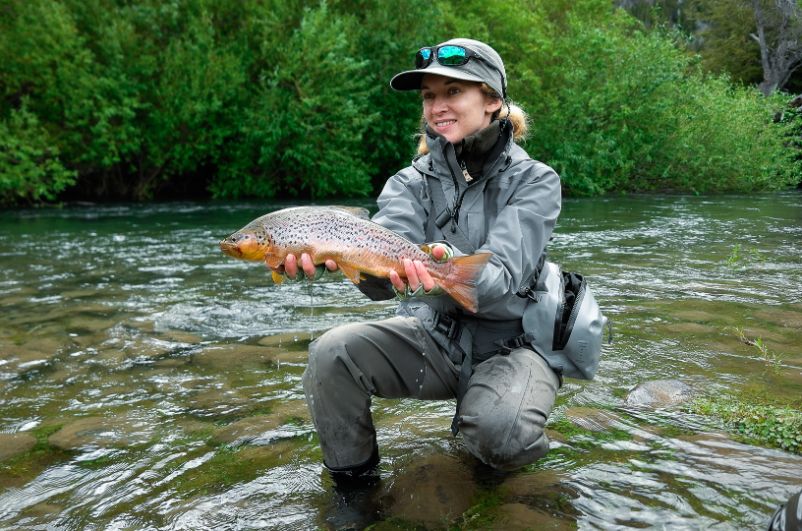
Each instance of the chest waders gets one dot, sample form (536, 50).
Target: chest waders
(455, 327)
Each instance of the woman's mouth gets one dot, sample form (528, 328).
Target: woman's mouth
(444, 123)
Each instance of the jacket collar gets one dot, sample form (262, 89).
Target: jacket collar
(441, 161)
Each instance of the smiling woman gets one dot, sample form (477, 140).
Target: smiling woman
(471, 190)
(455, 109)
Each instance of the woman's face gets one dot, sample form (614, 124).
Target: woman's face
(454, 108)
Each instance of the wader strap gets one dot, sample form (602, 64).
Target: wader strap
(465, 372)
(451, 327)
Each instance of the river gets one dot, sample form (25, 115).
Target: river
(147, 381)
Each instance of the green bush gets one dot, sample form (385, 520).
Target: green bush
(307, 122)
(277, 98)
(30, 168)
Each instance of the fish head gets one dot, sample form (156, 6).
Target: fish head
(246, 245)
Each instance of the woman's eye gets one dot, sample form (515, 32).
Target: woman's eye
(453, 90)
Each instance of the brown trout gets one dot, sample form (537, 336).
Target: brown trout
(358, 245)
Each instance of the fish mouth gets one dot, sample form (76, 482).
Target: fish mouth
(230, 248)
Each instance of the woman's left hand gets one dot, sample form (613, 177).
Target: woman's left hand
(417, 275)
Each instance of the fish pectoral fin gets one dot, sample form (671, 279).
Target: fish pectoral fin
(278, 278)
(353, 274)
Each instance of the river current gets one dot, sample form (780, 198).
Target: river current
(147, 381)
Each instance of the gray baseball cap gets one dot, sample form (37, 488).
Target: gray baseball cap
(486, 68)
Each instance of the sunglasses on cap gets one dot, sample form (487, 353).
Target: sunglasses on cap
(446, 55)
(452, 55)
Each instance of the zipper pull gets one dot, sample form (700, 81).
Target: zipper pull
(465, 173)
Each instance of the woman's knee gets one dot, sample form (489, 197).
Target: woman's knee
(326, 354)
(505, 446)
(504, 411)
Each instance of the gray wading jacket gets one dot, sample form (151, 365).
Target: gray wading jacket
(510, 212)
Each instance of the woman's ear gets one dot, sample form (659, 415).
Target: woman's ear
(493, 105)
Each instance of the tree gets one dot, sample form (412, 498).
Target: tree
(779, 34)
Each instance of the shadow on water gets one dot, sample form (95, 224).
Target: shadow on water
(149, 382)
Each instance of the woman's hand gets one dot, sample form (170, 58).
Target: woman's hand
(308, 268)
(417, 276)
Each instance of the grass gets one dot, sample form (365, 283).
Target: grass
(772, 360)
(758, 424)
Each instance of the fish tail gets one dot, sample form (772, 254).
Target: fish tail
(460, 279)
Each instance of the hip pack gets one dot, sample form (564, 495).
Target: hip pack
(564, 322)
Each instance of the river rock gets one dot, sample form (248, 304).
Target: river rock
(96, 431)
(519, 516)
(592, 419)
(259, 426)
(659, 393)
(433, 491)
(223, 357)
(12, 444)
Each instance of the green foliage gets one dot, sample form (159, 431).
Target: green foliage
(110, 99)
(771, 359)
(309, 116)
(746, 256)
(768, 425)
(30, 168)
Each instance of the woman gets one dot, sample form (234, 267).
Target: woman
(471, 189)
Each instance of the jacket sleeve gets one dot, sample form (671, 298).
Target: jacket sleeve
(400, 210)
(401, 205)
(519, 234)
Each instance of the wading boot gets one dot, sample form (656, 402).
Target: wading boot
(353, 504)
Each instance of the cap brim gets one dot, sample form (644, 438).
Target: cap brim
(411, 79)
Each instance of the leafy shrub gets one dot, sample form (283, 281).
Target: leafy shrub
(271, 98)
(30, 168)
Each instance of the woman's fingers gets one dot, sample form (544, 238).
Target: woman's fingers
(307, 265)
(398, 284)
(412, 274)
(424, 276)
(291, 266)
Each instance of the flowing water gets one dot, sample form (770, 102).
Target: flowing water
(149, 382)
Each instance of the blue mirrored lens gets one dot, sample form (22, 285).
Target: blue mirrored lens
(452, 55)
(423, 57)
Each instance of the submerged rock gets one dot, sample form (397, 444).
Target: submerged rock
(433, 491)
(593, 419)
(12, 444)
(262, 427)
(659, 393)
(97, 431)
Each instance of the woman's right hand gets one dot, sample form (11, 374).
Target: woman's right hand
(312, 272)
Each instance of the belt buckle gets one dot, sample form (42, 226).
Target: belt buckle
(447, 325)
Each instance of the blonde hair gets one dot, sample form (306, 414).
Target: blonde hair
(517, 117)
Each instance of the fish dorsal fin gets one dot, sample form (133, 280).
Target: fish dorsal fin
(359, 212)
